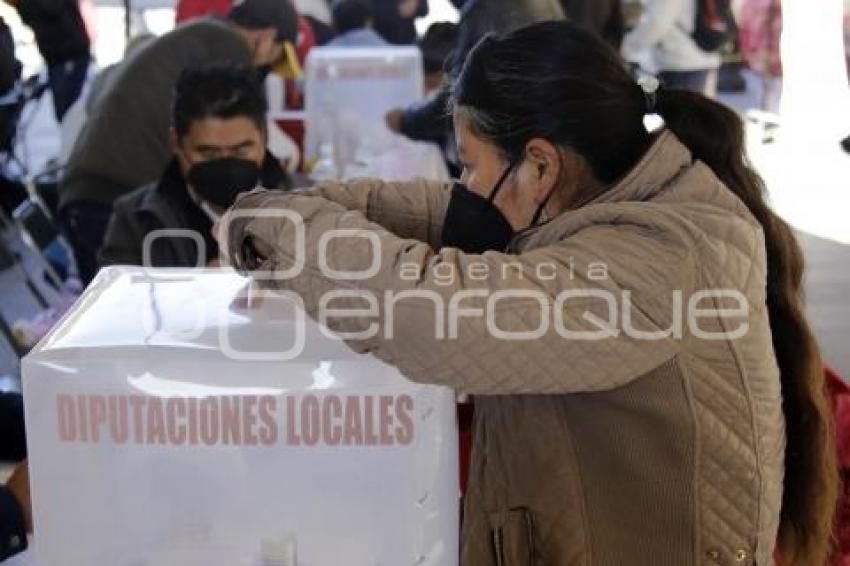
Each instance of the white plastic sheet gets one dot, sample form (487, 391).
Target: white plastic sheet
(155, 439)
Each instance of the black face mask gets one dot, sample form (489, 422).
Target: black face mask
(475, 225)
(219, 181)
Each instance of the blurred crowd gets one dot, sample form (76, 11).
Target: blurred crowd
(118, 139)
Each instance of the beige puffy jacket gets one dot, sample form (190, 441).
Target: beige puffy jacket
(627, 449)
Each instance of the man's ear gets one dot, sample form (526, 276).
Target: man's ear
(177, 150)
(173, 141)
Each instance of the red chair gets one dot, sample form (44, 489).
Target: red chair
(839, 392)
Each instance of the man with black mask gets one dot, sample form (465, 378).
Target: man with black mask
(124, 143)
(218, 138)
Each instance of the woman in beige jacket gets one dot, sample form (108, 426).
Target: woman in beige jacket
(623, 306)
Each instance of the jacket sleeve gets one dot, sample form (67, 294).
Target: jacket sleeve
(658, 19)
(122, 244)
(412, 209)
(484, 324)
(428, 120)
(13, 534)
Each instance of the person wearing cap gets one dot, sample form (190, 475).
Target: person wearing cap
(124, 144)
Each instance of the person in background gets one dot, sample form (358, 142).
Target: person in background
(218, 139)
(759, 43)
(394, 19)
(63, 42)
(612, 426)
(662, 44)
(78, 113)
(15, 512)
(428, 120)
(437, 46)
(354, 21)
(12, 192)
(124, 144)
(604, 17)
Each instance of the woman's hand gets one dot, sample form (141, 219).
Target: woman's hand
(393, 119)
(254, 252)
(407, 9)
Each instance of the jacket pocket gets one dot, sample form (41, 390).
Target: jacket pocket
(513, 538)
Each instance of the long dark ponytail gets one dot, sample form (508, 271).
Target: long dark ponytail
(558, 82)
(715, 135)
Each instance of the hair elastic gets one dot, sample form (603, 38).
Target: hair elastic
(650, 87)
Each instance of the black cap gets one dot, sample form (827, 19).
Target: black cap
(259, 14)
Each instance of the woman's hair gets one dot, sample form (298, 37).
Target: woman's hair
(558, 82)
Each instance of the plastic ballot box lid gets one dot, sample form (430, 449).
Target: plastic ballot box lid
(174, 420)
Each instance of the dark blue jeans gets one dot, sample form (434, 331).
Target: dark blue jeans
(66, 82)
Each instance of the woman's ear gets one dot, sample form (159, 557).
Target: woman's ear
(547, 163)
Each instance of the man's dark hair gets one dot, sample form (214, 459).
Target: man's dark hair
(350, 15)
(437, 45)
(218, 91)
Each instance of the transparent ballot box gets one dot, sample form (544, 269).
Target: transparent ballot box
(347, 95)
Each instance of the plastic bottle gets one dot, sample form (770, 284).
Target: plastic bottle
(325, 168)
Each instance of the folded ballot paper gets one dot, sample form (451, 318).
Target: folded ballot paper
(176, 418)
